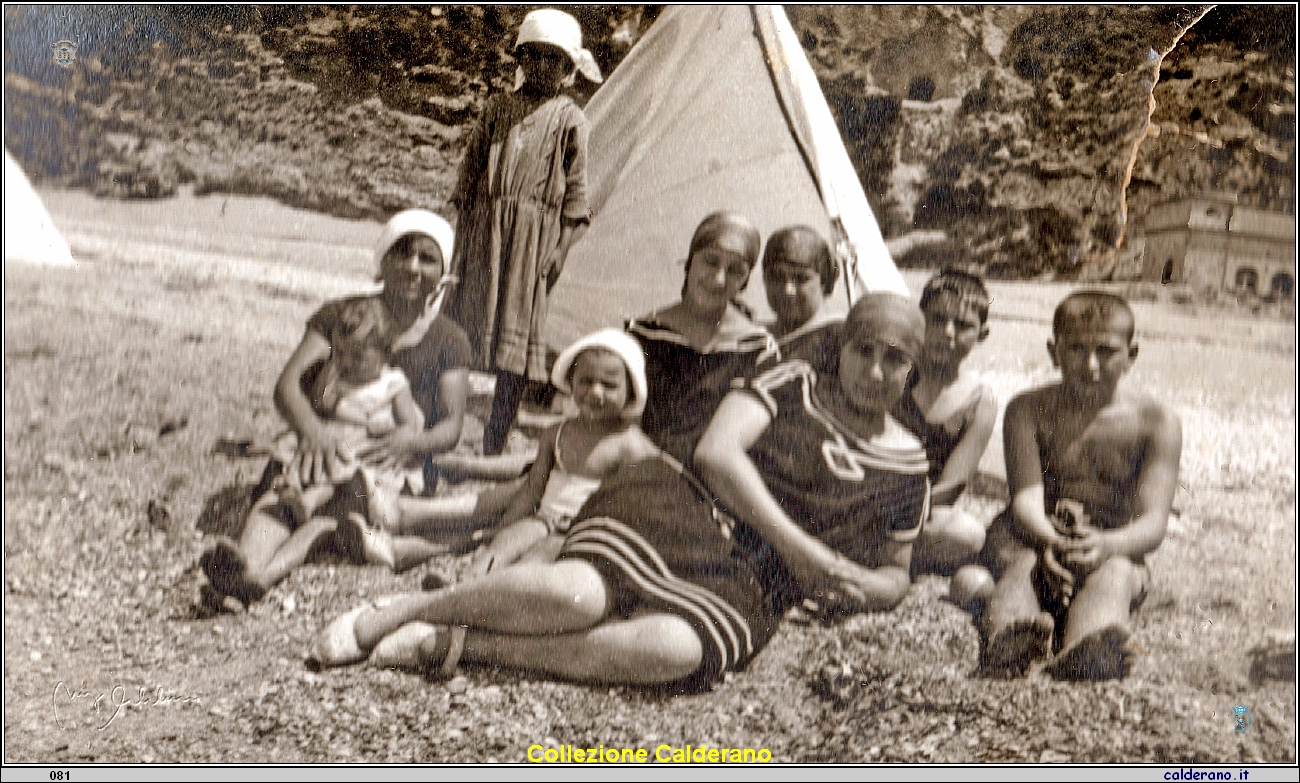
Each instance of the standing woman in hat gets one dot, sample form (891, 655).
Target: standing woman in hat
(521, 196)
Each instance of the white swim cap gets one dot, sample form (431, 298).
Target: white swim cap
(625, 347)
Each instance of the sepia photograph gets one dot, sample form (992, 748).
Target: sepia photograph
(889, 385)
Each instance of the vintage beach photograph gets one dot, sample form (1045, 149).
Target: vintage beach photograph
(516, 384)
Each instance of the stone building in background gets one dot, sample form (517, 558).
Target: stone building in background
(1212, 242)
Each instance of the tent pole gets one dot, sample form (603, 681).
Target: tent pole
(846, 257)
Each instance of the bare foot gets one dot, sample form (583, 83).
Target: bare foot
(1102, 655)
(211, 602)
(348, 638)
(402, 648)
(376, 543)
(1014, 648)
(227, 572)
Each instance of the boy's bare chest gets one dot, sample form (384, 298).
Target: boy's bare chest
(1106, 448)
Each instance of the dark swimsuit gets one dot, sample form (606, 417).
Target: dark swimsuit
(939, 442)
(686, 386)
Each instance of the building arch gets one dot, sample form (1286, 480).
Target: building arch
(921, 89)
(1167, 275)
(1282, 285)
(1246, 279)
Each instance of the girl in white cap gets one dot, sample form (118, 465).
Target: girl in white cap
(521, 196)
(605, 373)
(429, 350)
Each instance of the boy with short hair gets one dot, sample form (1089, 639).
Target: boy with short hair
(1092, 466)
(952, 412)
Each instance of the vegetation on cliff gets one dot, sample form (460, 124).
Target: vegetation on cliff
(1014, 128)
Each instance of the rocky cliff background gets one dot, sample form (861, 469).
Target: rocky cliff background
(1035, 135)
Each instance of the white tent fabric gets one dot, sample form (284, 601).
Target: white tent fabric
(866, 255)
(30, 234)
(716, 107)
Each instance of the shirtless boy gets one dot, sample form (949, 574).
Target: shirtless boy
(952, 411)
(1092, 467)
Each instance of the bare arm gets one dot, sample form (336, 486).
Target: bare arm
(529, 496)
(893, 574)
(1025, 481)
(576, 211)
(1025, 472)
(1154, 497)
(1156, 487)
(723, 458)
(965, 457)
(637, 447)
(453, 394)
(399, 447)
(406, 413)
(320, 454)
(570, 232)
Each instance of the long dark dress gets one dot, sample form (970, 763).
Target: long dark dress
(524, 173)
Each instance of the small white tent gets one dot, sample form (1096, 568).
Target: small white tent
(30, 234)
(716, 107)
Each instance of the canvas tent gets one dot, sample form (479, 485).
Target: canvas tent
(716, 107)
(30, 234)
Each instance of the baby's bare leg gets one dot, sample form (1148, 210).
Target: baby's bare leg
(292, 553)
(433, 516)
(265, 553)
(509, 544)
(264, 534)
(410, 551)
(501, 467)
(235, 568)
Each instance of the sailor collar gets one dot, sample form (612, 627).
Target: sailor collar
(736, 334)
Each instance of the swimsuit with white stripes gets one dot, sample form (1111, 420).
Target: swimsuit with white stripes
(661, 545)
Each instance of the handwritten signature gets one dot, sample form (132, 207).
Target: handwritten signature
(116, 699)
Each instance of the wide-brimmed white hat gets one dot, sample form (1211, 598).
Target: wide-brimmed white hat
(627, 349)
(550, 26)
